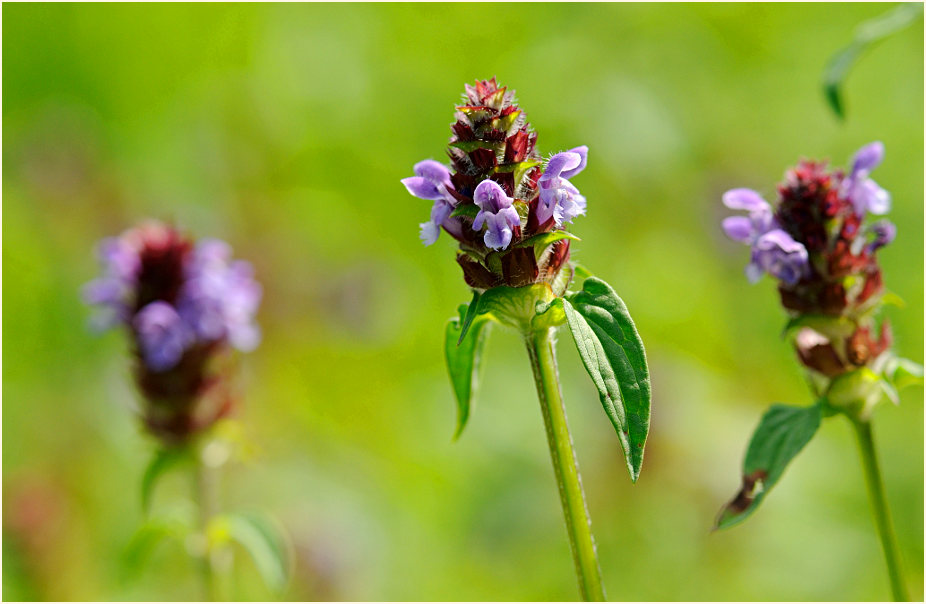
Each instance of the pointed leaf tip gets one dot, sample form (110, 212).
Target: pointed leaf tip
(615, 359)
(781, 434)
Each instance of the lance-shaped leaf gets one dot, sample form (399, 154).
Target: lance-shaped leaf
(613, 354)
(782, 433)
(465, 338)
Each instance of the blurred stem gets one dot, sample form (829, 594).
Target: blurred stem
(880, 509)
(543, 362)
(207, 498)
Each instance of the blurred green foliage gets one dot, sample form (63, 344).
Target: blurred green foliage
(285, 129)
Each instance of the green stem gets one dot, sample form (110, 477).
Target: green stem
(543, 362)
(880, 509)
(207, 498)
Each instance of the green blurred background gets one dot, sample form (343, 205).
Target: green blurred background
(285, 130)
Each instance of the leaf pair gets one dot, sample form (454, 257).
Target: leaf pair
(604, 334)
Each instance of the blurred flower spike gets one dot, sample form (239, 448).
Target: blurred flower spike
(497, 196)
(185, 306)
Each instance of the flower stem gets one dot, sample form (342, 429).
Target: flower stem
(543, 362)
(207, 498)
(880, 509)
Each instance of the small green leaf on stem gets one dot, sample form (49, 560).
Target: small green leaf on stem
(266, 543)
(163, 461)
(780, 436)
(542, 241)
(614, 357)
(866, 35)
(463, 352)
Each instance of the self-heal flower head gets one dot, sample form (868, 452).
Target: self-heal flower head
(497, 194)
(432, 182)
(862, 191)
(497, 213)
(184, 306)
(559, 199)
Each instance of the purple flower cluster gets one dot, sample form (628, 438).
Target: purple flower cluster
(173, 296)
(559, 199)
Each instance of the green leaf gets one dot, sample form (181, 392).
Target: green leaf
(468, 210)
(614, 357)
(463, 351)
(470, 316)
(266, 543)
(469, 146)
(163, 461)
(780, 436)
(147, 538)
(866, 35)
(541, 241)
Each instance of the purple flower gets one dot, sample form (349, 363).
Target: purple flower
(558, 197)
(774, 251)
(113, 292)
(432, 182)
(162, 336)
(884, 232)
(497, 213)
(779, 255)
(863, 192)
(219, 298)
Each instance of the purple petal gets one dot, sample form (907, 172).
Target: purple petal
(884, 231)
(429, 232)
(868, 196)
(867, 158)
(498, 235)
(738, 228)
(422, 188)
(564, 161)
(245, 337)
(546, 204)
(489, 196)
(753, 272)
(570, 203)
(480, 218)
(162, 335)
(434, 171)
(744, 199)
(583, 153)
(778, 238)
(781, 256)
